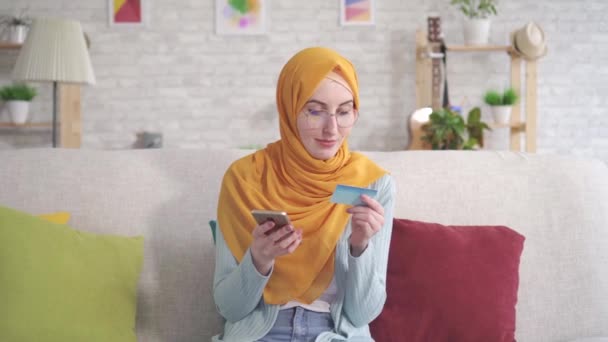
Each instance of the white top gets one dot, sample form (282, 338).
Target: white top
(322, 304)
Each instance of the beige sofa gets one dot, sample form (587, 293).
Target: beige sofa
(560, 204)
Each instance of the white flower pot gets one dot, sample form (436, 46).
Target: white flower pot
(17, 33)
(502, 114)
(476, 31)
(18, 110)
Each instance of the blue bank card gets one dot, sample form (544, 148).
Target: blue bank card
(351, 195)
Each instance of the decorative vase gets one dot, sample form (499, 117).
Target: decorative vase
(18, 111)
(502, 114)
(476, 31)
(17, 34)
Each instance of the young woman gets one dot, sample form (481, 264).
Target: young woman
(323, 277)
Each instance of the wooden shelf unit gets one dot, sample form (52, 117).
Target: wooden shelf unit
(9, 46)
(69, 132)
(517, 126)
(27, 125)
(479, 48)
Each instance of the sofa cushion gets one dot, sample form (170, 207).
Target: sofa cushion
(450, 283)
(60, 284)
(59, 217)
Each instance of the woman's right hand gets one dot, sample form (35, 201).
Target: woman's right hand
(268, 244)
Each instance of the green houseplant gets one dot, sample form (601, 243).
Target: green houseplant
(501, 104)
(476, 8)
(17, 26)
(18, 91)
(447, 130)
(17, 98)
(477, 14)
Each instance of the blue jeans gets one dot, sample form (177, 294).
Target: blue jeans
(298, 325)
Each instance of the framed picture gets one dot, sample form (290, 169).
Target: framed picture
(126, 12)
(357, 12)
(240, 16)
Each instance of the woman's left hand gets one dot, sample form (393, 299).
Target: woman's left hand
(365, 223)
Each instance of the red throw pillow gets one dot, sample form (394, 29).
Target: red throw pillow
(450, 283)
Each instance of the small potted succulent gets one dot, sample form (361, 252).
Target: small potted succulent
(17, 27)
(501, 104)
(17, 98)
(477, 19)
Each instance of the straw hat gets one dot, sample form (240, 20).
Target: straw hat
(529, 41)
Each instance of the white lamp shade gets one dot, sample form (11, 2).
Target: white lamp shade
(54, 50)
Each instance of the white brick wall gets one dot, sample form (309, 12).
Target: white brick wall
(178, 77)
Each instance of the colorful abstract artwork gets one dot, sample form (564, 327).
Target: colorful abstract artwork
(126, 12)
(240, 16)
(357, 12)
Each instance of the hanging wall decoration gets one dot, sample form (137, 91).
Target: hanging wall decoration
(126, 12)
(357, 12)
(240, 16)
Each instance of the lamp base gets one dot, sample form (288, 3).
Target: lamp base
(54, 114)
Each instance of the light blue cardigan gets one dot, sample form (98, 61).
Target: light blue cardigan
(361, 282)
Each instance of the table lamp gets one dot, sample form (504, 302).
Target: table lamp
(54, 51)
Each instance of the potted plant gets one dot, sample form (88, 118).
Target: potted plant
(17, 26)
(17, 98)
(501, 104)
(447, 130)
(476, 25)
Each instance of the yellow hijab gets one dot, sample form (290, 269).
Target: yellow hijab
(283, 176)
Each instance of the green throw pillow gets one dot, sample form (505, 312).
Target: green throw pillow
(60, 284)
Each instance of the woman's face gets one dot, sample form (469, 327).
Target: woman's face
(327, 117)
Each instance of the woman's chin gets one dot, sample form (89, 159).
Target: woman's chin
(324, 154)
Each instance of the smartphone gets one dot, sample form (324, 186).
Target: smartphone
(279, 218)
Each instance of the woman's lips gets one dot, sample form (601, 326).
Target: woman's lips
(326, 143)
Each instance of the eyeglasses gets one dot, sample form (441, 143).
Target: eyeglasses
(318, 118)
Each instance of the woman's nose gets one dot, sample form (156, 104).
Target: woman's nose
(331, 123)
